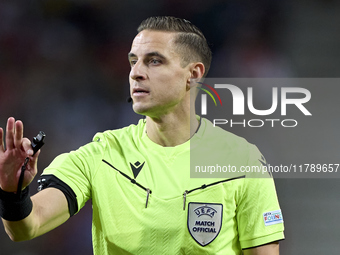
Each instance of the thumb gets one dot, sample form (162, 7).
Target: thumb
(26, 145)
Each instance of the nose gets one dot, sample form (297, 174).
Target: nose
(138, 71)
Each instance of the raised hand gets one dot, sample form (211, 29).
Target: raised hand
(13, 156)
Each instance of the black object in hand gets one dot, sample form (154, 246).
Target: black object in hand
(38, 141)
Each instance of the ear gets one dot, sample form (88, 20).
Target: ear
(197, 70)
(196, 73)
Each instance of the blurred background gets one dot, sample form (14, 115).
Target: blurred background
(64, 70)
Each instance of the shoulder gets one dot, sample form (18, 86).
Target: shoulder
(88, 157)
(105, 141)
(224, 139)
(126, 133)
(214, 145)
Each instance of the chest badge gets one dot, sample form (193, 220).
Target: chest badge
(204, 221)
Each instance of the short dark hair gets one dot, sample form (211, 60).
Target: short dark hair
(191, 41)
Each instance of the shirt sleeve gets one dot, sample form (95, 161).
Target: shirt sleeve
(259, 215)
(77, 168)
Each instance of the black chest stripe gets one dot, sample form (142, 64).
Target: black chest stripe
(206, 186)
(148, 191)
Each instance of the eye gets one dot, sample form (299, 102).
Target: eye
(133, 62)
(155, 61)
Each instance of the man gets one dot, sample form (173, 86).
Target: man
(143, 199)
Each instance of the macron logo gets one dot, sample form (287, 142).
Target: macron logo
(136, 168)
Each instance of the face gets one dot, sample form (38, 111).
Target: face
(158, 82)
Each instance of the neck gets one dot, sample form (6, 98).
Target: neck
(171, 130)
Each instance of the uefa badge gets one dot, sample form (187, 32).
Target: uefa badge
(204, 221)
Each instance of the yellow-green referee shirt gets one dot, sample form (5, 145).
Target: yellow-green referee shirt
(144, 201)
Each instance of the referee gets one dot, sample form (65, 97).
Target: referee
(138, 177)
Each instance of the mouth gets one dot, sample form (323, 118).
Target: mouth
(139, 92)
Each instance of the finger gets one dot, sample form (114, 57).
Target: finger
(18, 133)
(34, 163)
(26, 145)
(36, 155)
(2, 148)
(10, 133)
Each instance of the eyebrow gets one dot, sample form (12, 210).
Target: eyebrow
(150, 54)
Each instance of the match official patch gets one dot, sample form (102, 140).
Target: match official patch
(273, 217)
(204, 221)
